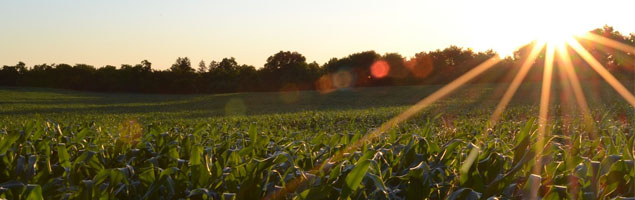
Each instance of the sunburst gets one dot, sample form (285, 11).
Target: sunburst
(557, 42)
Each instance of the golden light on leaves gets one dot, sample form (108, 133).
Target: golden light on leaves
(447, 89)
(567, 67)
(544, 109)
(130, 132)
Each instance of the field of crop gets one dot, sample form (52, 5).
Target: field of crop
(61, 144)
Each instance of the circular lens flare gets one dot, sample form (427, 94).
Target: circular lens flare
(380, 69)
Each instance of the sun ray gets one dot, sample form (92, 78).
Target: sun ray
(429, 100)
(608, 42)
(421, 105)
(608, 77)
(444, 91)
(567, 67)
(572, 80)
(544, 111)
(546, 88)
(546, 85)
(511, 90)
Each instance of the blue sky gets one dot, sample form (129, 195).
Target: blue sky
(126, 32)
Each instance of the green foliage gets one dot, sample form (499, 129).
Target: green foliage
(95, 154)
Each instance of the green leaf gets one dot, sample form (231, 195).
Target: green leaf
(199, 191)
(173, 153)
(7, 142)
(315, 193)
(87, 189)
(101, 176)
(118, 176)
(81, 135)
(168, 172)
(354, 178)
(34, 192)
(465, 193)
(147, 176)
(195, 155)
(253, 134)
(62, 155)
(379, 184)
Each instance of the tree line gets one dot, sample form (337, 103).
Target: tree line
(287, 70)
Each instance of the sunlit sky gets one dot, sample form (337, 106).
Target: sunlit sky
(125, 32)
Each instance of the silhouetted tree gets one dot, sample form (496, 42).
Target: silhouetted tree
(202, 68)
(11, 75)
(286, 70)
(183, 76)
(212, 65)
(398, 73)
(182, 65)
(227, 64)
(146, 65)
(357, 65)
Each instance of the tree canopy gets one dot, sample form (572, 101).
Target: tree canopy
(286, 70)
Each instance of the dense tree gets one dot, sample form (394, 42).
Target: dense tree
(212, 65)
(182, 65)
(398, 74)
(357, 65)
(202, 68)
(286, 70)
(10, 75)
(146, 65)
(182, 77)
(228, 76)
(227, 64)
(618, 61)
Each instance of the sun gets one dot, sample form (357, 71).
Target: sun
(554, 35)
(540, 21)
(556, 22)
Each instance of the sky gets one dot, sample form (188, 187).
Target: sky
(119, 32)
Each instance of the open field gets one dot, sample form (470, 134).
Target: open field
(61, 143)
(312, 100)
(18, 103)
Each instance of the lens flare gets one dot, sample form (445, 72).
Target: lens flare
(444, 91)
(324, 84)
(235, 106)
(342, 79)
(420, 67)
(380, 69)
(568, 78)
(289, 93)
